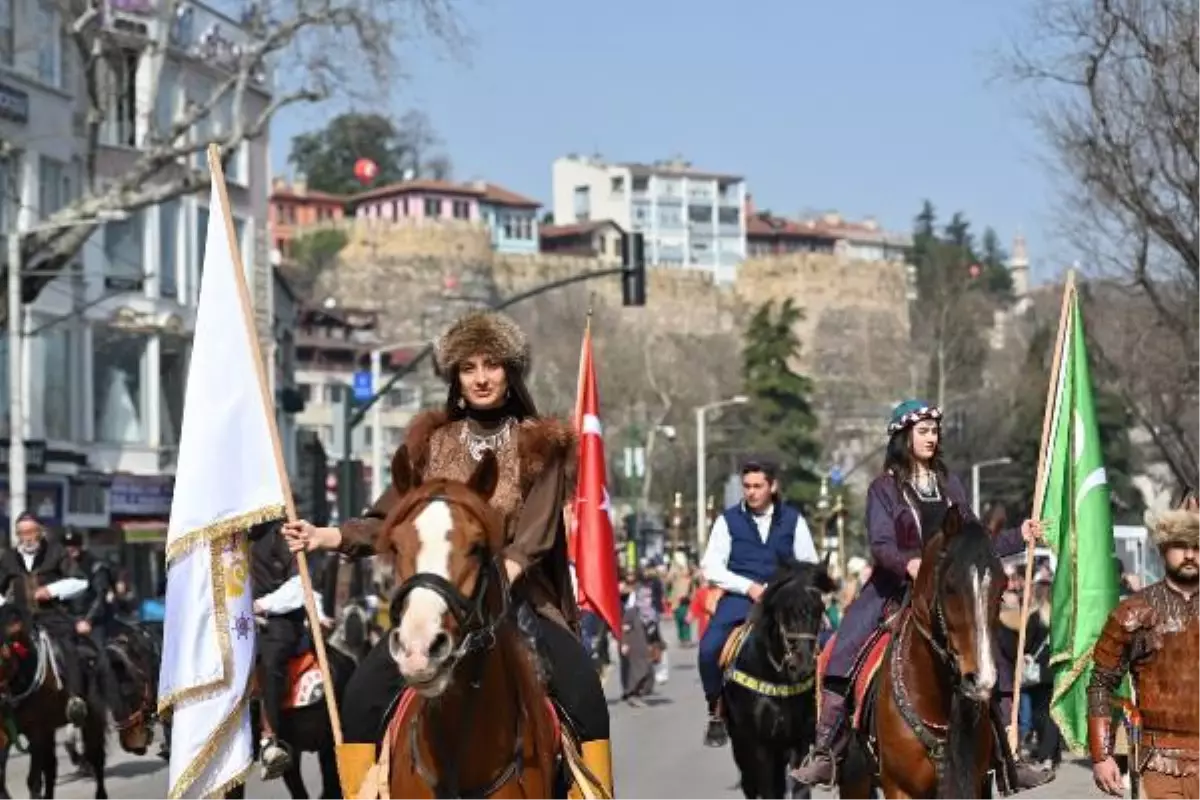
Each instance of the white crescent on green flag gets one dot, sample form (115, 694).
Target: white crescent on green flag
(1076, 510)
(226, 480)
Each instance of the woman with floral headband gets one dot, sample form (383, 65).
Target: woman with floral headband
(906, 503)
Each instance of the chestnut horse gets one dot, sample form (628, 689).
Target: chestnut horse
(475, 720)
(31, 686)
(928, 727)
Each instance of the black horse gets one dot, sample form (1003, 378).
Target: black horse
(769, 699)
(307, 730)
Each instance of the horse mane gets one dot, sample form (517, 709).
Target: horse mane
(970, 545)
(791, 585)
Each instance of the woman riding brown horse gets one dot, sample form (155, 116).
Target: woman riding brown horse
(476, 721)
(932, 727)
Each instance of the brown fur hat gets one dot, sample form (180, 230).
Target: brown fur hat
(1179, 526)
(487, 333)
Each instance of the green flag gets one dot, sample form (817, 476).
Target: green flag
(1075, 508)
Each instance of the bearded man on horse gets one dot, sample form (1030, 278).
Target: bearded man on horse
(46, 580)
(745, 547)
(1153, 636)
(906, 504)
(483, 359)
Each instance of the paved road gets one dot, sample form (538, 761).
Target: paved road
(657, 753)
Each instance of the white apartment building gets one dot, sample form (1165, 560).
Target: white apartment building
(107, 346)
(689, 217)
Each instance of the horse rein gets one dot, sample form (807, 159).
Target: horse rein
(478, 637)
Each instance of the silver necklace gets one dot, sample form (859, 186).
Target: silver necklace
(477, 445)
(928, 488)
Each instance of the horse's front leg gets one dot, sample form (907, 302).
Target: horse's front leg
(93, 749)
(294, 781)
(49, 766)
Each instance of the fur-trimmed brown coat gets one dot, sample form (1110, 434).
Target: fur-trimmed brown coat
(542, 454)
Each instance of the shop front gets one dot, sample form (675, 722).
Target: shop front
(141, 509)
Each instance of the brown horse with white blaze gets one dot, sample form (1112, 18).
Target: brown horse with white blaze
(928, 727)
(475, 720)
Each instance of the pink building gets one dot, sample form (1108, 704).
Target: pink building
(511, 217)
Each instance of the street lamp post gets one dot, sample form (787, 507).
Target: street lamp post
(18, 489)
(975, 468)
(701, 465)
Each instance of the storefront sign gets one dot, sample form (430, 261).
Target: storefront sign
(141, 496)
(14, 104)
(149, 532)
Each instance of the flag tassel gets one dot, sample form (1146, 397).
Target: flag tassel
(310, 605)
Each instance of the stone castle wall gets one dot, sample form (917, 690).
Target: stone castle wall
(854, 334)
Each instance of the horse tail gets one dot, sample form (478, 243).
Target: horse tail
(959, 774)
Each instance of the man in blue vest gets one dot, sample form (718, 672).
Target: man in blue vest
(744, 548)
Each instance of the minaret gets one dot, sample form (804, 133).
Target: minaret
(1018, 267)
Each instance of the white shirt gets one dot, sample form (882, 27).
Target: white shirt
(715, 563)
(287, 598)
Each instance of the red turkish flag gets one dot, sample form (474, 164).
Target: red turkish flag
(595, 556)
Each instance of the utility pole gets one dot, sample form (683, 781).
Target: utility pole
(17, 489)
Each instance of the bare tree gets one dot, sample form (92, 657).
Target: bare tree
(297, 52)
(1119, 90)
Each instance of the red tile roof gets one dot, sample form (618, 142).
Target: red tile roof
(763, 224)
(485, 192)
(574, 228)
(308, 194)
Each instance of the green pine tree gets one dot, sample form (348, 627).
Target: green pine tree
(782, 422)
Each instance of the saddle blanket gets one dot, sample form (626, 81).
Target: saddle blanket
(867, 664)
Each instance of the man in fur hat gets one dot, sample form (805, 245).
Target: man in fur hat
(1155, 634)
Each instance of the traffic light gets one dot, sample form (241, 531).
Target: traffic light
(633, 278)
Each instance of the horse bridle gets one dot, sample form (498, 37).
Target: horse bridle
(478, 632)
(938, 636)
(790, 640)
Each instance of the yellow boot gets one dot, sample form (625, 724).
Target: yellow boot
(355, 760)
(597, 757)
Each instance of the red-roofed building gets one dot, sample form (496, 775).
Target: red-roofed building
(600, 240)
(294, 207)
(512, 218)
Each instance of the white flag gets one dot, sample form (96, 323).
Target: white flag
(226, 480)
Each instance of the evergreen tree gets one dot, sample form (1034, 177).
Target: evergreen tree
(782, 422)
(994, 262)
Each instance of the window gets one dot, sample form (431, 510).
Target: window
(510, 227)
(306, 391)
(54, 186)
(123, 251)
(617, 184)
(51, 381)
(641, 184)
(172, 366)
(7, 30)
(334, 393)
(583, 203)
(164, 104)
(168, 243)
(433, 207)
(700, 214)
(4, 386)
(393, 436)
(462, 209)
(118, 383)
(404, 398)
(728, 216)
(201, 246)
(670, 217)
(50, 46)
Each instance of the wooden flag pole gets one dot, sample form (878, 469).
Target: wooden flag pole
(310, 604)
(1039, 501)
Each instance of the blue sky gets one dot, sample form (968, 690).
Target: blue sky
(862, 107)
